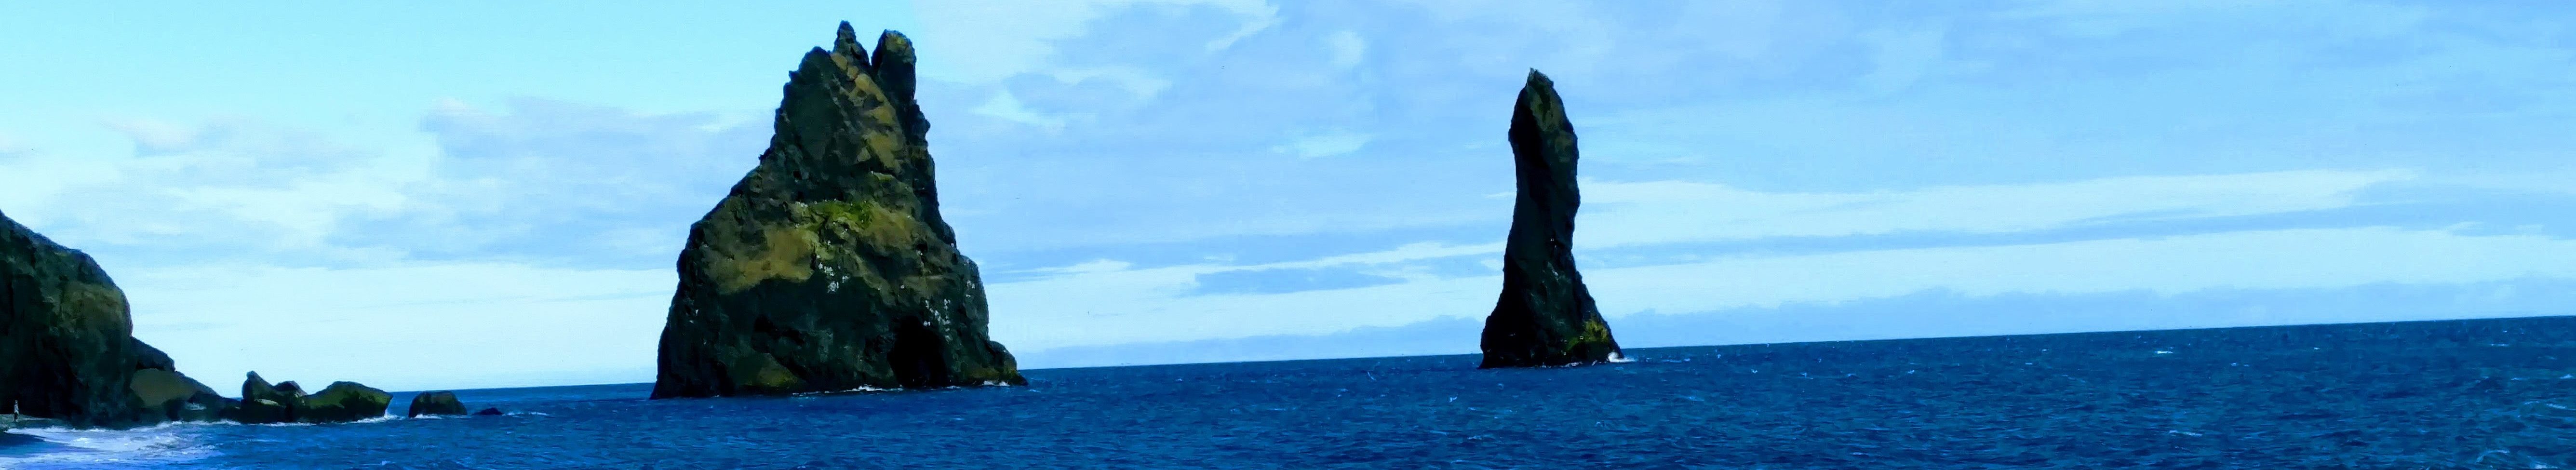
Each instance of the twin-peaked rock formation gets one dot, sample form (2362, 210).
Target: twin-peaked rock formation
(828, 267)
(1545, 316)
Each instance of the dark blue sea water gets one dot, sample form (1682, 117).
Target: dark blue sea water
(2455, 394)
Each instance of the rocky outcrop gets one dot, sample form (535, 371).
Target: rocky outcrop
(286, 402)
(262, 403)
(343, 402)
(489, 412)
(168, 396)
(1546, 316)
(434, 403)
(67, 350)
(828, 267)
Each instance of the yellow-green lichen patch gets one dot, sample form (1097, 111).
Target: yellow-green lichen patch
(886, 147)
(783, 253)
(867, 221)
(1593, 333)
(91, 305)
(759, 371)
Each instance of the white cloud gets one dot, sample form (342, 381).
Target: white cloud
(985, 41)
(2103, 18)
(1902, 57)
(259, 187)
(1006, 107)
(308, 211)
(1143, 305)
(466, 325)
(152, 136)
(1629, 214)
(1324, 145)
(1346, 48)
(1144, 85)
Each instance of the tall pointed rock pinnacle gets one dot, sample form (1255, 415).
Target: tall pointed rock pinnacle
(1546, 316)
(828, 268)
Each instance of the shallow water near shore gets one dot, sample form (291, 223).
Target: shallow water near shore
(2448, 394)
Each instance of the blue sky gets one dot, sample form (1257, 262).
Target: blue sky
(491, 193)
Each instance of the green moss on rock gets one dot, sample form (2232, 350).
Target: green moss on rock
(343, 402)
(67, 351)
(829, 267)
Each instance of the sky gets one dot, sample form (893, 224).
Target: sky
(493, 194)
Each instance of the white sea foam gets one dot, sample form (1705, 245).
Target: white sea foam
(1616, 358)
(861, 389)
(159, 444)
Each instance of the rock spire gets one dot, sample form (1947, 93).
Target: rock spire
(828, 267)
(1546, 316)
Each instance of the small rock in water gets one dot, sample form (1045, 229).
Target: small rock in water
(489, 412)
(435, 403)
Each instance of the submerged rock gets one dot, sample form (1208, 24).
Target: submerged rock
(343, 402)
(435, 403)
(489, 412)
(1546, 316)
(828, 267)
(67, 350)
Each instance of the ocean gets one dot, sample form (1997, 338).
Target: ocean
(2486, 394)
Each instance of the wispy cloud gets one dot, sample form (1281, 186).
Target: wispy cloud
(1157, 304)
(1645, 213)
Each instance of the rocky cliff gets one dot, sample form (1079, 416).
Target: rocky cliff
(828, 267)
(1546, 316)
(66, 345)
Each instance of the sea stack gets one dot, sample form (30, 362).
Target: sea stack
(67, 350)
(828, 267)
(1545, 316)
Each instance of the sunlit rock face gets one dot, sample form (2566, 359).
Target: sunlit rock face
(1546, 316)
(828, 267)
(67, 350)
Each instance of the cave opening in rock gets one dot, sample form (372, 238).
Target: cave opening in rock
(916, 357)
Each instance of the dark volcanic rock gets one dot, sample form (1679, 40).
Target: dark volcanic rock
(169, 396)
(148, 357)
(262, 403)
(261, 411)
(1545, 316)
(828, 267)
(343, 402)
(67, 350)
(489, 412)
(437, 403)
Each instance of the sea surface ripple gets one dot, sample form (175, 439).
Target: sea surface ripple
(2486, 394)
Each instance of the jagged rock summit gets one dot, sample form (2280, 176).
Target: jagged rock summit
(828, 267)
(67, 350)
(1546, 316)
